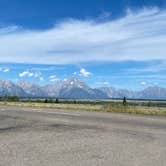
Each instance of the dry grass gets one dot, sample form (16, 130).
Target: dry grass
(117, 108)
(55, 105)
(161, 111)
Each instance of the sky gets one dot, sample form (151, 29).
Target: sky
(118, 43)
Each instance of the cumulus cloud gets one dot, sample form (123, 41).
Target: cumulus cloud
(75, 73)
(103, 83)
(4, 69)
(143, 83)
(138, 35)
(149, 83)
(29, 74)
(106, 83)
(53, 78)
(84, 73)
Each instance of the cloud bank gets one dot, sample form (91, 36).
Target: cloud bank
(138, 36)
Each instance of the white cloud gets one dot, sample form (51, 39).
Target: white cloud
(53, 78)
(143, 83)
(29, 74)
(5, 69)
(139, 35)
(106, 83)
(65, 79)
(103, 83)
(25, 73)
(41, 78)
(9, 29)
(75, 73)
(84, 73)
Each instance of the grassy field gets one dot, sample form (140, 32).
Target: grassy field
(54, 105)
(113, 107)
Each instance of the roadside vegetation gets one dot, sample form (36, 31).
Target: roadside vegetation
(117, 106)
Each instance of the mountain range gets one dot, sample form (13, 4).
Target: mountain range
(76, 88)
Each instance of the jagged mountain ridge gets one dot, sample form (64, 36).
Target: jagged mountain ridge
(8, 88)
(73, 88)
(153, 92)
(76, 88)
(32, 90)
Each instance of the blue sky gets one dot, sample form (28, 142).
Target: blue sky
(104, 42)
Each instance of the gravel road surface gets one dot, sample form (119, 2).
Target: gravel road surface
(50, 137)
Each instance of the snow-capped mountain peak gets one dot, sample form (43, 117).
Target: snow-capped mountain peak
(75, 88)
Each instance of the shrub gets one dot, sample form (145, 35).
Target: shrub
(46, 101)
(12, 98)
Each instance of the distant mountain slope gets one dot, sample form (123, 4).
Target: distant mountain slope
(8, 88)
(118, 93)
(31, 89)
(76, 88)
(73, 88)
(152, 93)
